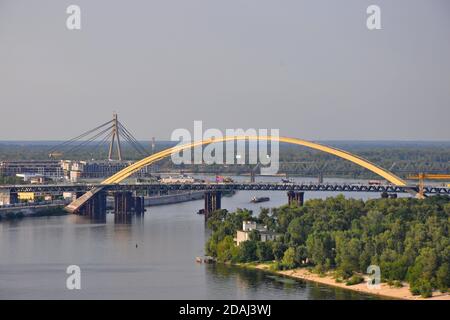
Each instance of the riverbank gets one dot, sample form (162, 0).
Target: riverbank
(384, 291)
(36, 211)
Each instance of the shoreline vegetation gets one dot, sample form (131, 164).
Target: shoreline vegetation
(386, 290)
(334, 241)
(20, 214)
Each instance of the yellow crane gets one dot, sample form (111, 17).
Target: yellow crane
(427, 176)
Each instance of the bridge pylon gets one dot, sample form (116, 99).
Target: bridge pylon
(115, 136)
(111, 133)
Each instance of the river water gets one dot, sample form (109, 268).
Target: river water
(153, 257)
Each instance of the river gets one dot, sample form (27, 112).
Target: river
(153, 257)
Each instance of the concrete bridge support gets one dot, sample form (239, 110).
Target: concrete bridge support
(126, 204)
(213, 202)
(139, 205)
(123, 202)
(95, 207)
(296, 198)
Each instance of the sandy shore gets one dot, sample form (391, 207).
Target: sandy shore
(385, 290)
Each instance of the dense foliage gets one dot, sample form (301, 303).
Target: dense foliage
(10, 180)
(407, 238)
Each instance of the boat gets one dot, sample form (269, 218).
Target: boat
(259, 199)
(199, 260)
(286, 180)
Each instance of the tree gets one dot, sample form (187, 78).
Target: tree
(247, 251)
(347, 254)
(264, 251)
(227, 250)
(288, 261)
(278, 249)
(443, 277)
(296, 231)
(420, 275)
(266, 219)
(301, 255)
(320, 250)
(393, 264)
(422, 287)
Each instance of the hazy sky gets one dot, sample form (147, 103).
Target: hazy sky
(310, 68)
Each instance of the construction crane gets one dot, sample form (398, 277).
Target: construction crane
(427, 176)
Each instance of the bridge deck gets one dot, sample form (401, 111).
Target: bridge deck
(266, 186)
(91, 189)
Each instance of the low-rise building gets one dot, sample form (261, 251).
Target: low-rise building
(248, 227)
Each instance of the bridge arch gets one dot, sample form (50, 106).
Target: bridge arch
(128, 171)
(125, 173)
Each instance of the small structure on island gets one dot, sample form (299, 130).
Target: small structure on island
(249, 226)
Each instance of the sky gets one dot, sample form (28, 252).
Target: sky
(309, 68)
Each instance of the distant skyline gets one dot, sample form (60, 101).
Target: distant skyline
(309, 68)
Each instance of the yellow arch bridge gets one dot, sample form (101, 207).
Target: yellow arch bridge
(77, 204)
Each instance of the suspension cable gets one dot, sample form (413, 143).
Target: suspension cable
(63, 144)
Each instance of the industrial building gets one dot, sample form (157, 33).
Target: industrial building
(47, 168)
(75, 169)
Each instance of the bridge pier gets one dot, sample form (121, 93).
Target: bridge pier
(213, 202)
(125, 203)
(295, 198)
(139, 205)
(95, 207)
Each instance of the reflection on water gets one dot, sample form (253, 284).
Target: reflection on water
(147, 257)
(257, 284)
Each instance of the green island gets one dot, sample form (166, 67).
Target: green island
(407, 238)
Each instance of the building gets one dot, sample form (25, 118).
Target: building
(47, 168)
(6, 197)
(34, 178)
(75, 169)
(248, 227)
(69, 169)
